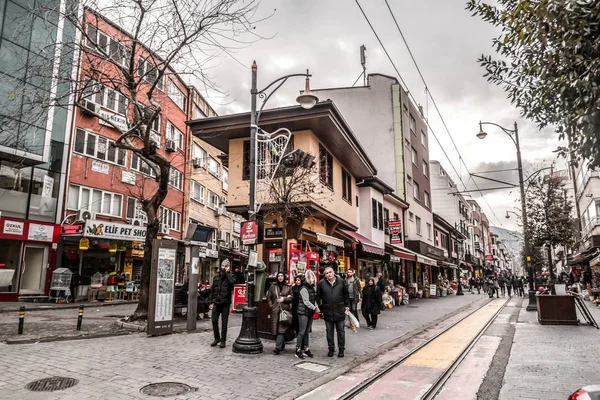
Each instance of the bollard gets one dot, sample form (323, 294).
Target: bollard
(80, 317)
(21, 319)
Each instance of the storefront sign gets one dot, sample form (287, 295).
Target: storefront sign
(239, 296)
(249, 233)
(84, 244)
(395, 228)
(128, 177)
(111, 230)
(41, 233)
(210, 253)
(71, 229)
(275, 255)
(273, 232)
(395, 259)
(101, 167)
(118, 120)
(13, 227)
(432, 290)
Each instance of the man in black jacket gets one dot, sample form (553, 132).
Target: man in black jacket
(220, 298)
(332, 295)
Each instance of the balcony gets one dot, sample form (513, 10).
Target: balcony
(590, 226)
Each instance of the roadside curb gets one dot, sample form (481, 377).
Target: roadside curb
(50, 306)
(336, 372)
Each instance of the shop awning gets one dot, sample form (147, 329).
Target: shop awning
(368, 246)
(401, 252)
(444, 264)
(326, 239)
(426, 260)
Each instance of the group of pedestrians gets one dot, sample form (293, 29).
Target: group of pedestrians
(498, 285)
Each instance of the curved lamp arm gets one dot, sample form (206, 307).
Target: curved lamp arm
(263, 95)
(509, 132)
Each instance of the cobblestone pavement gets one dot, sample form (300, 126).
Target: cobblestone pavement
(551, 361)
(118, 367)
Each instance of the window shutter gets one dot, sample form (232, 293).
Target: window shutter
(374, 211)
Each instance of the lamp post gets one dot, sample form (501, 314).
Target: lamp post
(532, 306)
(248, 341)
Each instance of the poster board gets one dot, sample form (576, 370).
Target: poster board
(161, 298)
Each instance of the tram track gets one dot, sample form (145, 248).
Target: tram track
(439, 382)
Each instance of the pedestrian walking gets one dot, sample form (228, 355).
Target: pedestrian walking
(381, 282)
(307, 307)
(295, 299)
(509, 286)
(502, 284)
(485, 285)
(520, 282)
(471, 284)
(479, 285)
(332, 296)
(371, 304)
(220, 297)
(280, 299)
(353, 292)
(497, 287)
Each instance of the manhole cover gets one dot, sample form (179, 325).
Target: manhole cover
(312, 366)
(51, 384)
(166, 389)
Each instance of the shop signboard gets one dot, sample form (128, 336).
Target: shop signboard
(432, 290)
(162, 284)
(111, 230)
(239, 296)
(100, 167)
(128, 177)
(117, 120)
(13, 227)
(395, 228)
(273, 232)
(41, 233)
(249, 233)
(210, 253)
(84, 244)
(71, 229)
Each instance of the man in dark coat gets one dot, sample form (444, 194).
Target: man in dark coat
(220, 299)
(381, 282)
(332, 295)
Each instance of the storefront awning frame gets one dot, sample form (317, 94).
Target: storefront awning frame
(402, 252)
(368, 246)
(330, 240)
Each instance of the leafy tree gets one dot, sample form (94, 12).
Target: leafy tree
(549, 64)
(549, 213)
(538, 261)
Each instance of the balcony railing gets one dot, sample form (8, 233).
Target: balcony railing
(590, 225)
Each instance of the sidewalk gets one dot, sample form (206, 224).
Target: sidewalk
(14, 306)
(551, 361)
(118, 367)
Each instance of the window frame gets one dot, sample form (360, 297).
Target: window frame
(418, 225)
(125, 51)
(136, 168)
(209, 202)
(173, 133)
(167, 216)
(414, 157)
(423, 139)
(177, 95)
(90, 201)
(208, 167)
(225, 179)
(203, 154)
(145, 75)
(416, 190)
(325, 167)
(176, 179)
(117, 151)
(425, 167)
(202, 188)
(427, 199)
(138, 213)
(346, 186)
(120, 101)
(412, 123)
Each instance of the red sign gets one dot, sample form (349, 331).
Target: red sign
(249, 233)
(71, 229)
(239, 296)
(395, 228)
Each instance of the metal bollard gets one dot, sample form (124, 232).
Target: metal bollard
(80, 317)
(21, 319)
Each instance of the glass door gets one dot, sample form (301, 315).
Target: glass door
(33, 270)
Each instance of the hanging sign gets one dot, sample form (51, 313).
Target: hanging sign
(395, 229)
(84, 244)
(249, 233)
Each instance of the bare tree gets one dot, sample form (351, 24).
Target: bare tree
(152, 40)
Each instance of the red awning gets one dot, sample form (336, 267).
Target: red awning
(368, 246)
(404, 255)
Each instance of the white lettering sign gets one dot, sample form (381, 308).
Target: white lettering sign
(41, 233)
(110, 230)
(118, 120)
(98, 166)
(13, 227)
(128, 177)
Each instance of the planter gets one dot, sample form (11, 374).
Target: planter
(556, 310)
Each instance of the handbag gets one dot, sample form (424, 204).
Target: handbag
(285, 316)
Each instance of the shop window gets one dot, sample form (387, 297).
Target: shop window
(177, 96)
(97, 201)
(175, 178)
(171, 218)
(139, 165)
(346, 186)
(99, 147)
(175, 135)
(10, 253)
(197, 192)
(325, 167)
(135, 210)
(148, 72)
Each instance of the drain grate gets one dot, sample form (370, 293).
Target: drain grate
(166, 389)
(312, 366)
(51, 384)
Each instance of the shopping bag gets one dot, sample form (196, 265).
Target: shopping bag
(351, 321)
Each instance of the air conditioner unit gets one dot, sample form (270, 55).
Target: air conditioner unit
(218, 211)
(223, 200)
(135, 221)
(197, 162)
(171, 146)
(90, 108)
(84, 215)
(221, 237)
(163, 229)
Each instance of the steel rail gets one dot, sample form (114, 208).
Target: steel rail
(362, 386)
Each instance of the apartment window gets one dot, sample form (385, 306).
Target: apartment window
(148, 72)
(137, 164)
(428, 231)
(411, 216)
(170, 217)
(374, 212)
(213, 200)
(177, 96)
(155, 131)
(386, 215)
(225, 180)
(346, 186)
(416, 191)
(427, 199)
(380, 216)
(415, 157)
(423, 139)
(197, 192)
(100, 41)
(213, 167)
(413, 125)
(175, 179)
(436, 237)
(418, 224)
(325, 167)
(396, 217)
(425, 169)
(199, 154)
(135, 210)
(175, 135)
(98, 201)
(99, 147)
(105, 97)
(237, 226)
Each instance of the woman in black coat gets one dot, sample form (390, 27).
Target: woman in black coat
(295, 299)
(371, 303)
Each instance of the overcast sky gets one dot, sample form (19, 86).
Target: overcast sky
(325, 36)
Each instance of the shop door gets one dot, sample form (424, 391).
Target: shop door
(33, 269)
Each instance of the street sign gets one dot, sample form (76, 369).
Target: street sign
(249, 233)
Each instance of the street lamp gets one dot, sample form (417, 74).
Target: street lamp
(514, 136)
(248, 341)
